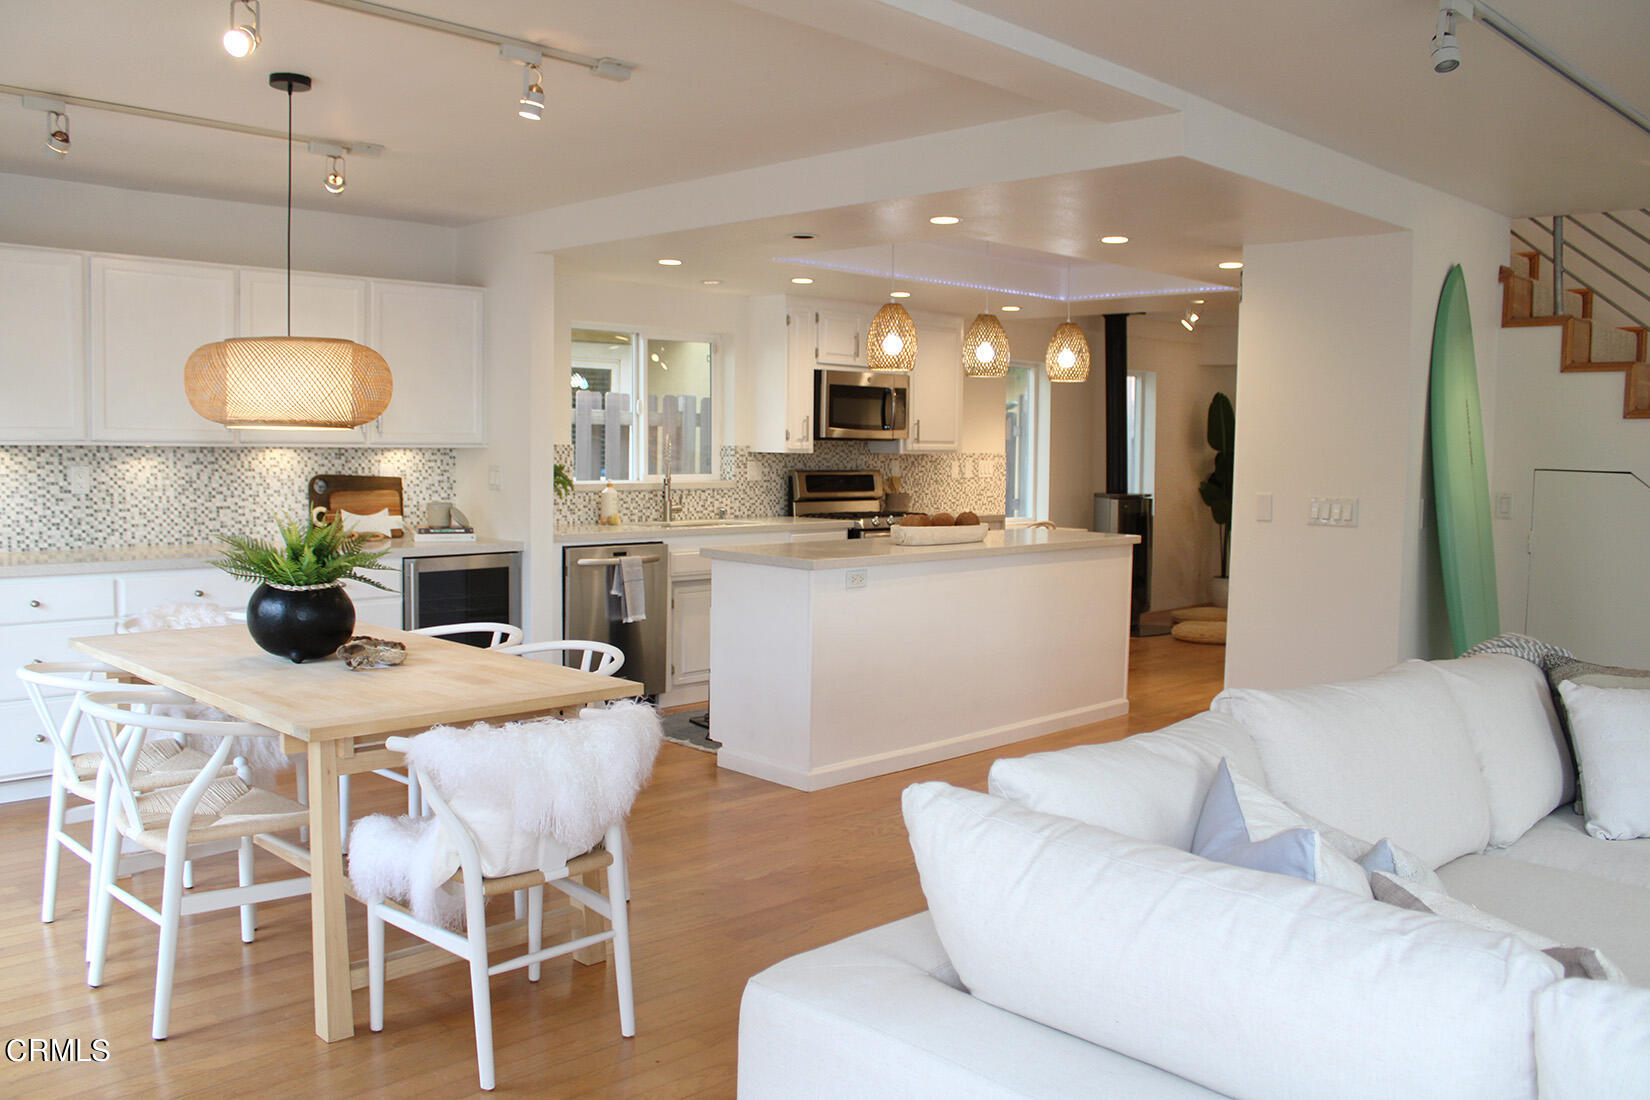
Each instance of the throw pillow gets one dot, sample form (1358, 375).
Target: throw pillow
(1383, 855)
(1592, 1039)
(1243, 825)
(1578, 962)
(1249, 984)
(1611, 728)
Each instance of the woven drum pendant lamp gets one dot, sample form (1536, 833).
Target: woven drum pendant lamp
(1067, 358)
(288, 381)
(891, 343)
(985, 347)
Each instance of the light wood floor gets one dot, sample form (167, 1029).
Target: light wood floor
(731, 874)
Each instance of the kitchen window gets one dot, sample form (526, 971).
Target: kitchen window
(1026, 443)
(1140, 411)
(636, 395)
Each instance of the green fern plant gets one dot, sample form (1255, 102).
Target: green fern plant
(308, 554)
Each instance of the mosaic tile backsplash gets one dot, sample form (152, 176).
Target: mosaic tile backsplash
(760, 489)
(166, 496)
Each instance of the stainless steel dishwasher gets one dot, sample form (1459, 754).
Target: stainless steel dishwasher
(591, 611)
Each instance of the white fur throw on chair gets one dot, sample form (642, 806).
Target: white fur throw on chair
(263, 755)
(534, 794)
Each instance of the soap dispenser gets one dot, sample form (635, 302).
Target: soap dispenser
(609, 498)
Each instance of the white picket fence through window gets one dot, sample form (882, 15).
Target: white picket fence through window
(603, 434)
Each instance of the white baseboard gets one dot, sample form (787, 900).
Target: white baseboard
(864, 767)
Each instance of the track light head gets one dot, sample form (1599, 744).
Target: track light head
(334, 180)
(1189, 321)
(242, 36)
(532, 94)
(1446, 51)
(57, 132)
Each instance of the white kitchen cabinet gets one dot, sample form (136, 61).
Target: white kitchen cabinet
(42, 345)
(935, 418)
(778, 377)
(431, 338)
(322, 305)
(147, 317)
(839, 336)
(141, 591)
(689, 631)
(383, 611)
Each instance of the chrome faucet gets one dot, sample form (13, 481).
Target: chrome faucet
(669, 508)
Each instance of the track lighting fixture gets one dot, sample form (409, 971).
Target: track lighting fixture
(1446, 52)
(57, 132)
(1188, 321)
(242, 36)
(335, 175)
(532, 94)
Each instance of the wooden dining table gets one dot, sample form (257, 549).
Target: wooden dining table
(339, 718)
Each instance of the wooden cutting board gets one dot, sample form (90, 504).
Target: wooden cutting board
(357, 494)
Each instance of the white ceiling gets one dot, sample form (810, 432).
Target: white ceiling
(1356, 76)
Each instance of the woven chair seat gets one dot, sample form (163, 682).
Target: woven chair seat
(229, 808)
(160, 763)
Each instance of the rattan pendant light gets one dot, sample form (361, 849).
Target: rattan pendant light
(985, 347)
(891, 344)
(288, 381)
(1067, 358)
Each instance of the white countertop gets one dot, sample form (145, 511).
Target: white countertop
(137, 559)
(653, 530)
(853, 553)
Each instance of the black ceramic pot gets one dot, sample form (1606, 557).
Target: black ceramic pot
(300, 625)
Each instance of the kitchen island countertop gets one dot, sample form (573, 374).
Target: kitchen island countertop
(855, 553)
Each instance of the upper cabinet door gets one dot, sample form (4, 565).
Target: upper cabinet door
(936, 390)
(839, 337)
(431, 338)
(322, 305)
(42, 345)
(147, 317)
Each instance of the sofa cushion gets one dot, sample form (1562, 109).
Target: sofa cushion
(1248, 983)
(1150, 785)
(1243, 825)
(1385, 756)
(878, 1015)
(1611, 728)
(1514, 730)
(1592, 1039)
(1566, 906)
(1560, 840)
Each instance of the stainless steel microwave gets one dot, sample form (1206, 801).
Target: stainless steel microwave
(860, 404)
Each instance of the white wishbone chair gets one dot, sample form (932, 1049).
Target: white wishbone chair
(608, 659)
(471, 945)
(172, 820)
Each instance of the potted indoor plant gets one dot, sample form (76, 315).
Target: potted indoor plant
(300, 609)
(1216, 489)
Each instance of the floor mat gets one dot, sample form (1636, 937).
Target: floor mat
(687, 727)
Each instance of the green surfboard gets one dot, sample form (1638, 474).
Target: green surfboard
(1460, 482)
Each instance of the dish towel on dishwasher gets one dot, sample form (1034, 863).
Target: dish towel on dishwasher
(628, 586)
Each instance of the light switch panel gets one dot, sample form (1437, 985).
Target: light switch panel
(1263, 507)
(1332, 511)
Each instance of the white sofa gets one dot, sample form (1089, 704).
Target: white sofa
(1462, 763)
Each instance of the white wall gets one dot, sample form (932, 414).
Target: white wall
(1185, 539)
(61, 214)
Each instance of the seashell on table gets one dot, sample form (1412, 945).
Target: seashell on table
(363, 652)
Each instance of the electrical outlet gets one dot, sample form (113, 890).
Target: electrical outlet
(1503, 506)
(1263, 507)
(80, 480)
(855, 578)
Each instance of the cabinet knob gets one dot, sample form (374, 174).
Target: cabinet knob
(787, 435)
(199, 592)
(34, 603)
(40, 739)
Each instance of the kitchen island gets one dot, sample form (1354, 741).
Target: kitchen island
(835, 661)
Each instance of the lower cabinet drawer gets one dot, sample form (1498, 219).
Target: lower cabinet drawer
(140, 592)
(21, 645)
(24, 751)
(54, 599)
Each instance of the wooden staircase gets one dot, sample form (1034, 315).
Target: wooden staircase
(1576, 337)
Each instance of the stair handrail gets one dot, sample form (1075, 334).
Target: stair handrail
(1559, 270)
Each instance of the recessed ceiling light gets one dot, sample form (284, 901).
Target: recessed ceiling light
(670, 263)
(1197, 301)
(1114, 240)
(802, 236)
(801, 280)
(944, 219)
(711, 282)
(1010, 309)
(1231, 265)
(899, 294)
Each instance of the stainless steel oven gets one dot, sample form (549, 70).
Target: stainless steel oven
(441, 589)
(860, 404)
